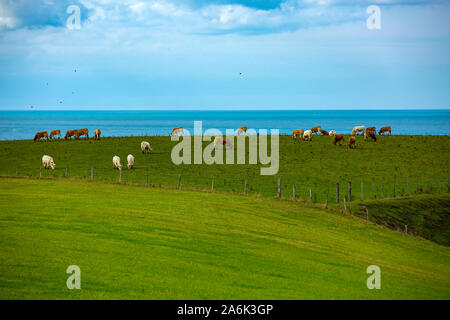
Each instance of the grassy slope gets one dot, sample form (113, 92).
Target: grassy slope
(317, 165)
(425, 215)
(130, 244)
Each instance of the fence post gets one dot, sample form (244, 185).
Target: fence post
(245, 186)
(279, 187)
(337, 192)
(212, 184)
(326, 203)
(349, 191)
(179, 181)
(406, 229)
(92, 173)
(293, 192)
(362, 191)
(310, 195)
(345, 204)
(367, 213)
(393, 184)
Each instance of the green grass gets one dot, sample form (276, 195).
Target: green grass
(129, 243)
(425, 215)
(316, 165)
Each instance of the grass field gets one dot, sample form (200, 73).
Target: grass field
(316, 165)
(129, 243)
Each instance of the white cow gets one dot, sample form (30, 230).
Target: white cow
(307, 135)
(130, 160)
(358, 129)
(223, 141)
(332, 133)
(47, 162)
(116, 163)
(145, 147)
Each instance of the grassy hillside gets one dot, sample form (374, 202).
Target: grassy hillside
(130, 244)
(425, 215)
(317, 165)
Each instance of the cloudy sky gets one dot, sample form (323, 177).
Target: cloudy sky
(227, 54)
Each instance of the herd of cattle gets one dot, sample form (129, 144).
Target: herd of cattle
(369, 133)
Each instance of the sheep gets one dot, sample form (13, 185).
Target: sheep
(307, 135)
(130, 160)
(332, 133)
(145, 147)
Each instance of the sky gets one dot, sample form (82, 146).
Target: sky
(224, 54)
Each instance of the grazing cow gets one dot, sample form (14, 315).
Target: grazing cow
(358, 129)
(332, 133)
(177, 130)
(223, 141)
(82, 132)
(385, 129)
(339, 138)
(70, 133)
(55, 133)
(352, 142)
(39, 135)
(316, 129)
(97, 134)
(116, 163)
(307, 135)
(324, 132)
(242, 130)
(297, 133)
(130, 160)
(48, 162)
(145, 147)
(370, 134)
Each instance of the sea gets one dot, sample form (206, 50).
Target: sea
(16, 125)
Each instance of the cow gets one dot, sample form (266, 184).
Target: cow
(70, 133)
(55, 133)
(242, 130)
(39, 135)
(385, 129)
(352, 142)
(130, 160)
(116, 163)
(223, 141)
(145, 147)
(370, 134)
(374, 129)
(358, 129)
(324, 132)
(332, 133)
(48, 162)
(339, 138)
(297, 133)
(316, 129)
(97, 134)
(177, 130)
(307, 135)
(82, 132)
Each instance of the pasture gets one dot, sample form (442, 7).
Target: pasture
(315, 165)
(130, 244)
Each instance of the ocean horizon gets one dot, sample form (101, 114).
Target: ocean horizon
(16, 125)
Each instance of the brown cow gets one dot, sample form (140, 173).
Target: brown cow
(176, 130)
(39, 135)
(55, 133)
(324, 133)
(297, 133)
(370, 134)
(242, 130)
(97, 134)
(70, 134)
(82, 132)
(371, 129)
(316, 129)
(352, 142)
(385, 129)
(338, 138)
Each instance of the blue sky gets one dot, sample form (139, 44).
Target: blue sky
(221, 54)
